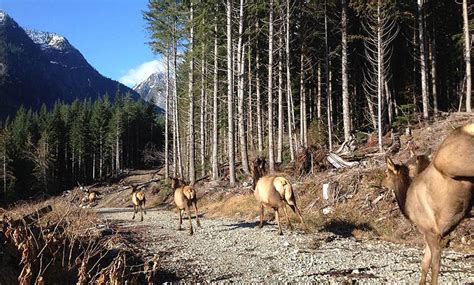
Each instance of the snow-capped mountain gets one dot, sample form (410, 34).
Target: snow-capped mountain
(3, 17)
(41, 67)
(153, 90)
(49, 40)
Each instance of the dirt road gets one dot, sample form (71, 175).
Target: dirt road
(235, 250)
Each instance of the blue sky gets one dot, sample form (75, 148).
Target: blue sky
(111, 34)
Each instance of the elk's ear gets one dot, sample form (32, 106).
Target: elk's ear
(390, 165)
(412, 153)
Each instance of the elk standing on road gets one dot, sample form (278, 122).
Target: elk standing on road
(440, 196)
(184, 198)
(138, 200)
(274, 192)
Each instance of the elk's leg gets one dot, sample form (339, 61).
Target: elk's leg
(134, 211)
(434, 242)
(141, 212)
(197, 215)
(287, 218)
(190, 222)
(425, 263)
(277, 216)
(261, 216)
(180, 213)
(297, 212)
(144, 209)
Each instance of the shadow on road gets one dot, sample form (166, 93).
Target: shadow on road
(344, 228)
(243, 224)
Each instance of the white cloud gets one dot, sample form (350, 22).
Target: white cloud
(141, 72)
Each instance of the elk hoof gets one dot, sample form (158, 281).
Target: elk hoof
(141, 219)
(191, 233)
(280, 233)
(199, 224)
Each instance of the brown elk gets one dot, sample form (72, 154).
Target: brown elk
(437, 199)
(184, 198)
(90, 195)
(274, 192)
(138, 200)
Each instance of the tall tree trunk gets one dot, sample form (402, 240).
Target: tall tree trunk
(259, 101)
(203, 113)
(117, 150)
(379, 78)
(423, 69)
(345, 81)
(215, 110)
(328, 79)
(240, 91)
(250, 103)
(167, 96)
(179, 161)
(271, 159)
(101, 159)
(192, 173)
(432, 51)
(467, 55)
(288, 80)
(302, 100)
(230, 97)
(280, 100)
(318, 100)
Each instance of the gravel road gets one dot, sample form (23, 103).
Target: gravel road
(236, 250)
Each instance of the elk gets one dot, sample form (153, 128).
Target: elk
(138, 200)
(274, 192)
(438, 198)
(90, 195)
(184, 198)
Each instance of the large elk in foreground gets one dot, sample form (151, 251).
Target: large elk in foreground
(437, 199)
(274, 192)
(184, 198)
(138, 200)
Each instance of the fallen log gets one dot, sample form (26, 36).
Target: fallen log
(34, 216)
(338, 162)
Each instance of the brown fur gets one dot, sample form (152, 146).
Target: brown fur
(439, 197)
(274, 192)
(91, 195)
(184, 198)
(138, 200)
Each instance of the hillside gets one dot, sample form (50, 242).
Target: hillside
(41, 67)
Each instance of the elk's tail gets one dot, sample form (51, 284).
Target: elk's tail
(283, 186)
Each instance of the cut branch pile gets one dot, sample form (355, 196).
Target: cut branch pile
(309, 160)
(55, 253)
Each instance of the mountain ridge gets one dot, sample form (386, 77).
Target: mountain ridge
(39, 67)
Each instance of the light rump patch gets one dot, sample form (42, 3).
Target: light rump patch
(469, 129)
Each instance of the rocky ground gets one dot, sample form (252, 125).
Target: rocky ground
(237, 250)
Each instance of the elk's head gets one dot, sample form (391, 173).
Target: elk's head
(176, 183)
(416, 164)
(396, 176)
(258, 169)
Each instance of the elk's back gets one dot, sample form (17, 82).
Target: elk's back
(455, 156)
